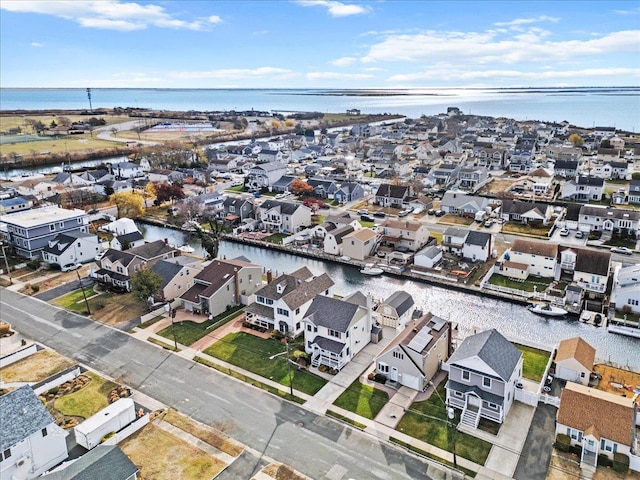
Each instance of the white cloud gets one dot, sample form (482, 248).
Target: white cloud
(37, 44)
(235, 73)
(633, 11)
(524, 21)
(489, 47)
(334, 8)
(108, 14)
(344, 61)
(454, 75)
(338, 76)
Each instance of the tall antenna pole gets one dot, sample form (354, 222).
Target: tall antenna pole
(89, 97)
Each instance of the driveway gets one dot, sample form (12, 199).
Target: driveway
(536, 454)
(63, 289)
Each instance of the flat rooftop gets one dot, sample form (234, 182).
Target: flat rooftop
(41, 216)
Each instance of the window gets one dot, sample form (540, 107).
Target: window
(493, 406)
(297, 311)
(283, 312)
(61, 224)
(383, 368)
(44, 432)
(52, 227)
(347, 352)
(458, 394)
(308, 327)
(466, 376)
(398, 355)
(333, 333)
(6, 454)
(298, 326)
(227, 288)
(486, 382)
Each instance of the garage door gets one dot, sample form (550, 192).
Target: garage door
(411, 381)
(389, 321)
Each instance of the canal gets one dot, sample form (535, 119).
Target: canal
(468, 310)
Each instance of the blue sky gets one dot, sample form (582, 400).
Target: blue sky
(318, 43)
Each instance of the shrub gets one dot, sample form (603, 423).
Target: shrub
(576, 450)
(53, 391)
(35, 288)
(380, 378)
(603, 460)
(620, 462)
(563, 442)
(33, 264)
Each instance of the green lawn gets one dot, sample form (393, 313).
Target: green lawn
(276, 238)
(75, 300)
(364, 400)
(88, 401)
(427, 421)
(188, 332)
(540, 283)
(534, 362)
(252, 353)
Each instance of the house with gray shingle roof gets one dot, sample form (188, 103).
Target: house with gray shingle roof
(104, 462)
(477, 246)
(462, 203)
(336, 330)
(281, 304)
(31, 442)
(483, 372)
(127, 241)
(395, 311)
(177, 277)
(284, 217)
(71, 247)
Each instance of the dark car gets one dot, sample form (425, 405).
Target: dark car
(367, 218)
(379, 214)
(324, 206)
(431, 211)
(93, 211)
(440, 213)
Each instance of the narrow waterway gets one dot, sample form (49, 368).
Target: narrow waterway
(469, 311)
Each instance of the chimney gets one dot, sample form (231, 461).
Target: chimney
(166, 241)
(269, 276)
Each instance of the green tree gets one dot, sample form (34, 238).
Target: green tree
(145, 283)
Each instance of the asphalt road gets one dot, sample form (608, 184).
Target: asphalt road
(317, 446)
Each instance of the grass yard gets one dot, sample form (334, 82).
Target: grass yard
(456, 220)
(205, 433)
(163, 456)
(75, 300)
(427, 421)
(252, 353)
(534, 362)
(188, 332)
(364, 400)
(36, 367)
(113, 308)
(87, 401)
(525, 229)
(276, 238)
(540, 283)
(280, 471)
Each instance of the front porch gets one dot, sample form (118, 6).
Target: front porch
(260, 316)
(327, 352)
(474, 404)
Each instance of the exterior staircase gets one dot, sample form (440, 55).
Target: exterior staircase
(315, 361)
(470, 418)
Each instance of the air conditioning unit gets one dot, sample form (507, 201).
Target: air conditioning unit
(21, 461)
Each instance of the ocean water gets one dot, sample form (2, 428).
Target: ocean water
(585, 107)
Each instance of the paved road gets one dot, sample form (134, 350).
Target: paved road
(536, 453)
(316, 446)
(68, 287)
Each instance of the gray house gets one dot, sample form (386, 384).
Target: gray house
(236, 208)
(395, 311)
(348, 192)
(483, 373)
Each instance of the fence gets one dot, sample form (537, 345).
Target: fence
(57, 379)
(528, 398)
(18, 355)
(128, 430)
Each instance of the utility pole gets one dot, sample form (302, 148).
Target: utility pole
(6, 262)
(89, 96)
(83, 292)
(286, 341)
(451, 413)
(173, 328)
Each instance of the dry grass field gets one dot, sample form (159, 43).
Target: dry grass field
(565, 466)
(35, 368)
(280, 471)
(617, 376)
(163, 456)
(497, 186)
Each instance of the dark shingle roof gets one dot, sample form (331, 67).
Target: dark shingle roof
(151, 250)
(21, 414)
(298, 287)
(130, 237)
(594, 262)
(401, 301)
(113, 255)
(285, 207)
(493, 349)
(478, 238)
(329, 344)
(331, 313)
(393, 191)
(104, 462)
(167, 270)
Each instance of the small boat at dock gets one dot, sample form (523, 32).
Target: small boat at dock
(371, 269)
(547, 310)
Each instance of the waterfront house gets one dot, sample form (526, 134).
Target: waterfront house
(104, 462)
(583, 189)
(348, 192)
(68, 179)
(334, 239)
(428, 257)
(483, 372)
(461, 203)
(336, 330)
(601, 218)
(284, 217)
(625, 295)
(389, 195)
(395, 311)
(477, 246)
(540, 258)
(453, 240)
(574, 360)
(74, 247)
(126, 241)
(359, 244)
(270, 156)
(591, 271)
(40, 189)
(126, 170)
(31, 442)
(282, 303)
(177, 276)
(599, 422)
(220, 284)
(415, 356)
(31, 230)
(404, 234)
(238, 209)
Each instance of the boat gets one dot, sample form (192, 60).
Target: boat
(371, 269)
(547, 310)
(186, 248)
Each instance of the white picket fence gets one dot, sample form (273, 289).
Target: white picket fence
(18, 355)
(127, 431)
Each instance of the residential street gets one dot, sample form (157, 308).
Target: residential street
(317, 446)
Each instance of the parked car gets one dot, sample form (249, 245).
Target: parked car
(325, 206)
(623, 250)
(403, 213)
(93, 211)
(280, 195)
(431, 211)
(70, 267)
(363, 212)
(564, 232)
(418, 210)
(99, 256)
(379, 214)
(579, 234)
(440, 213)
(488, 223)
(367, 218)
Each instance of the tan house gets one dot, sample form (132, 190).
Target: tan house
(414, 357)
(359, 244)
(405, 234)
(222, 283)
(177, 275)
(540, 257)
(600, 422)
(574, 360)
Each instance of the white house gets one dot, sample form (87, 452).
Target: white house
(583, 189)
(405, 234)
(598, 218)
(477, 246)
(281, 304)
(334, 239)
(336, 330)
(72, 247)
(284, 217)
(395, 311)
(453, 239)
(428, 257)
(574, 360)
(31, 442)
(540, 258)
(625, 294)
